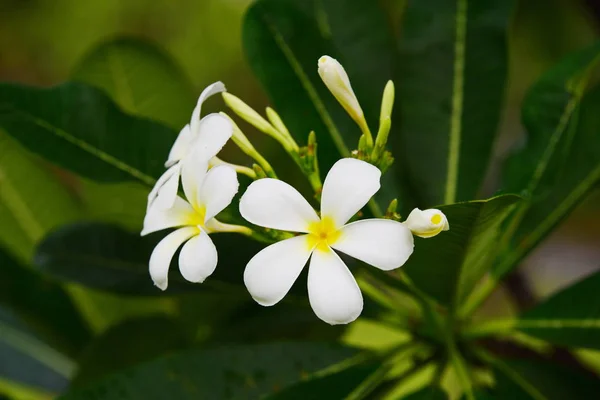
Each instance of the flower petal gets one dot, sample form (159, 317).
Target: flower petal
(214, 131)
(210, 90)
(182, 145)
(383, 243)
(271, 273)
(217, 190)
(427, 223)
(164, 252)
(180, 214)
(193, 172)
(272, 203)
(198, 258)
(348, 186)
(332, 290)
(165, 189)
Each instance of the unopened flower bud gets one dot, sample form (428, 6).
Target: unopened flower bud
(336, 79)
(247, 113)
(426, 223)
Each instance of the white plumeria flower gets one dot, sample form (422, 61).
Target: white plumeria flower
(208, 134)
(208, 193)
(333, 292)
(427, 223)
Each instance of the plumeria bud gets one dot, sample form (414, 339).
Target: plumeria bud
(336, 79)
(385, 121)
(246, 112)
(382, 136)
(276, 121)
(391, 210)
(387, 103)
(258, 171)
(244, 144)
(426, 223)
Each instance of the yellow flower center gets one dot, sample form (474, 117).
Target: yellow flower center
(436, 219)
(197, 217)
(322, 234)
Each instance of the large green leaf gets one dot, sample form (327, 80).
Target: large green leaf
(109, 258)
(526, 379)
(336, 385)
(449, 265)
(550, 114)
(452, 73)
(286, 64)
(141, 78)
(232, 372)
(137, 340)
(78, 127)
(429, 393)
(32, 200)
(27, 361)
(571, 317)
(561, 161)
(43, 304)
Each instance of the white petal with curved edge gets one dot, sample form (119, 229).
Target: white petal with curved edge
(217, 190)
(272, 203)
(348, 186)
(193, 172)
(169, 178)
(214, 131)
(198, 258)
(180, 214)
(165, 198)
(210, 90)
(164, 252)
(181, 147)
(271, 273)
(383, 243)
(427, 223)
(332, 290)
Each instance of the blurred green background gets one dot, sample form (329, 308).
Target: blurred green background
(42, 41)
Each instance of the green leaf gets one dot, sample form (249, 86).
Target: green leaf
(27, 361)
(452, 73)
(109, 258)
(526, 379)
(550, 114)
(232, 372)
(32, 200)
(561, 162)
(571, 317)
(337, 385)
(286, 65)
(43, 305)
(80, 128)
(137, 340)
(429, 393)
(141, 78)
(448, 265)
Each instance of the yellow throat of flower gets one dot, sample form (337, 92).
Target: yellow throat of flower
(197, 217)
(322, 234)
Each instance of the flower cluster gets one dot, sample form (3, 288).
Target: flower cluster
(274, 207)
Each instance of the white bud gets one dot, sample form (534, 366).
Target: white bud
(426, 223)
(335, 78)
